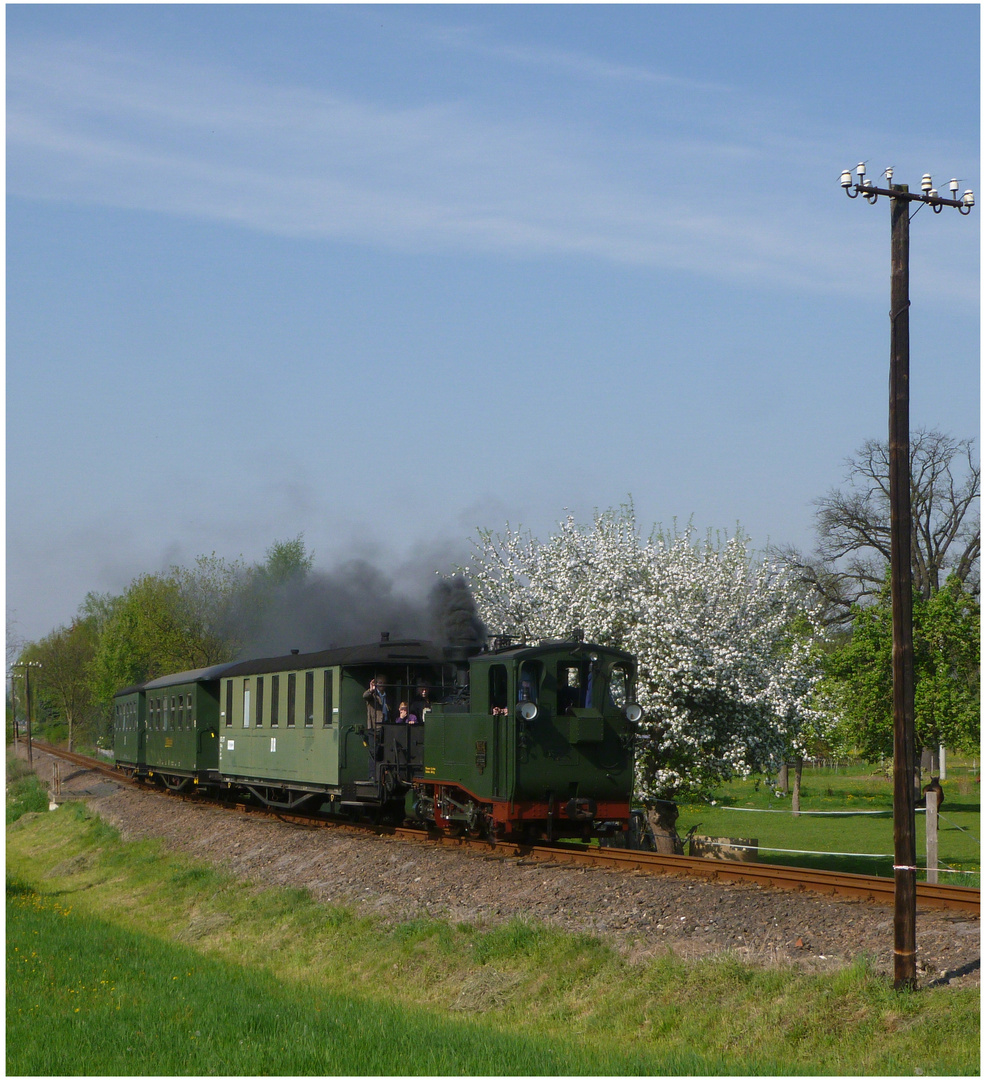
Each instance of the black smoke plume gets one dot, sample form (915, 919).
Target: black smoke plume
(455, 620)
(351, 605)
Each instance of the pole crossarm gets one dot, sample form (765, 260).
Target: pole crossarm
(929, 193)
(911, 196)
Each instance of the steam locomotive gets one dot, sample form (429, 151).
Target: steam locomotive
(515, 741)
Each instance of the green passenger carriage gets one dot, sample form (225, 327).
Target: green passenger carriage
(130, 731)
(182, 727)
(293, 729)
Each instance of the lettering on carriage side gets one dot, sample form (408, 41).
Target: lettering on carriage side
(430, 771)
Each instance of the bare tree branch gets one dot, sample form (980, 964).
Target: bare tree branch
(850, 561)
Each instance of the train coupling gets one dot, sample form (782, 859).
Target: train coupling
(580, 809)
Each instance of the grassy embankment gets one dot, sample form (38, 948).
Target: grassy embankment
(123, 959)
(850, 790)
(25, 792)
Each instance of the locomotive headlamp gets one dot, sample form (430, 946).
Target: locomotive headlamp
(634, 712)
(528, 710)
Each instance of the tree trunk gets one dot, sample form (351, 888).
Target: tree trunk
(782, 778)
(796, 795)
(661, 816)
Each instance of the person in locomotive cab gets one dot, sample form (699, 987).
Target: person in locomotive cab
(567, 700)
(421, 705)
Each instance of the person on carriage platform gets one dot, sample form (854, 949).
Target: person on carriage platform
(421, 705)
(377, 713)
(377, 710)
(403, 716)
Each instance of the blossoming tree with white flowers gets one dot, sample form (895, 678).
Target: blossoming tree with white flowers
(726, 644)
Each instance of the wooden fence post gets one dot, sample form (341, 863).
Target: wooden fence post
(931, 835)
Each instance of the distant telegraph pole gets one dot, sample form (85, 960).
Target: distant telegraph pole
(905, 857)
(27, 665)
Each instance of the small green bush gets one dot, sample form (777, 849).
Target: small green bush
(26, 796)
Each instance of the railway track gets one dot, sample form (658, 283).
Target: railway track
(856, 886)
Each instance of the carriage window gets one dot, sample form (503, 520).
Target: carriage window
(259, 707)
(275, 699)
(246, 702)
(309, 698)
(229, 703)
(292, 684)
(327, 701)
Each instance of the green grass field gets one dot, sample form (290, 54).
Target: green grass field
(123, 959)
(744, 808)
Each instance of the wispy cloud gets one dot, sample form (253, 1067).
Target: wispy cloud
(109, 129)
(568, 62)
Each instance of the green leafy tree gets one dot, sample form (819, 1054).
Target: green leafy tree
(946, 673)
(187, 618)
(163, 624)
(62, 682)
(268, 593)
(287, 561)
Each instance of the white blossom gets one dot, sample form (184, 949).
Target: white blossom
(725, 681)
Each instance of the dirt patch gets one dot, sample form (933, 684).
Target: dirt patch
(642, 915)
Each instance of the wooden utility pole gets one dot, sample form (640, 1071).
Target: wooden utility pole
(13, 706)
(901, 595)
(27, 665)
(901, 589)
(27, 706)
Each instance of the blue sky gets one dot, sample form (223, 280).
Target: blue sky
(384, 275)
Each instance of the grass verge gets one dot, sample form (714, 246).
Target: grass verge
(25, 795)
(137, 962)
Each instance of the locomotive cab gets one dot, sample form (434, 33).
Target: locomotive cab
(545, 747)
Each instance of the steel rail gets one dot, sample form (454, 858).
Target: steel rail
(832, 883)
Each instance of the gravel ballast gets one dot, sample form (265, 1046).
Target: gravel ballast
(642, 915)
